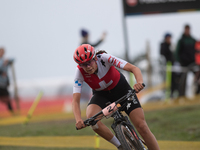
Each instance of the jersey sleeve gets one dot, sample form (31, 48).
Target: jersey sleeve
(78, 81)
(115, 61)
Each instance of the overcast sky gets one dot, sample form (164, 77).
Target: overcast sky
(41, 35)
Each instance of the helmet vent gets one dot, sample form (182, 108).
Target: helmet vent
(81, 59)
(77, 60)
(77, 53)
(85, 56)
(90, 54)
(85, 50)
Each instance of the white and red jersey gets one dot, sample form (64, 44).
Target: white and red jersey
(106, 78)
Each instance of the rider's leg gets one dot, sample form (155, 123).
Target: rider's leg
(138, 119)
(102, 129)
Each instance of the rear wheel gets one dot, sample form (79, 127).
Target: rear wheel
(127, 137)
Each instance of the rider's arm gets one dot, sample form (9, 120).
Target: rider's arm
(138, 76)
(122, 64)
(78, 81)
(76, 110)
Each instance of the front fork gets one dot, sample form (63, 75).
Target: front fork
(118, 118)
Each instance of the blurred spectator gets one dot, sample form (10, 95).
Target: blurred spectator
(85, 38)
(165, 48)
(185, 55)
(4, 80)
(167, 53)
(197, 61)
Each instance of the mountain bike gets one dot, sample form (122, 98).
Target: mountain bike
(124, 130)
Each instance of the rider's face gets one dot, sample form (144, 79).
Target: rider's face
(90, 66)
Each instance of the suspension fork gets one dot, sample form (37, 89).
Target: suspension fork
(118, 118)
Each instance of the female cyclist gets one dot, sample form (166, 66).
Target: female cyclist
(108, 84)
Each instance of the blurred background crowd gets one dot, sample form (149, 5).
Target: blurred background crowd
(38, 38)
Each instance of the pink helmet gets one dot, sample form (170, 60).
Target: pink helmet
(84, 53)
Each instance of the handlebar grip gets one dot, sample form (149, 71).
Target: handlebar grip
(78, 129)
(85, 122)
(143, 84)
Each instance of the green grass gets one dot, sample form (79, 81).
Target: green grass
(180, 123)
(174, 124)
(53, 128)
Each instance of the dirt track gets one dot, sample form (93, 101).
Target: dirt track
(68, 141)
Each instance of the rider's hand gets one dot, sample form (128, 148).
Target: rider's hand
(138, 87)
(80, 124)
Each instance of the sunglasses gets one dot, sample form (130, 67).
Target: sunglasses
(88, 63)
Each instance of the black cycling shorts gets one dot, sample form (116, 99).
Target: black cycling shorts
(101, 98)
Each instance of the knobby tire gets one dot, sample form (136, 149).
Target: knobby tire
(127, 137)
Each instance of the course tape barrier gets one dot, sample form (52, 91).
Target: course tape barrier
(182, 101)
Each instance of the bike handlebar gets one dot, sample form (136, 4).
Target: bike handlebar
(143, 84)
(92, 121)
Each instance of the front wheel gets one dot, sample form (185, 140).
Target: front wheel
(127, 137)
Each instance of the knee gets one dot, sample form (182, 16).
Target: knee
(89, 115)
(94, 127)
(142, 128)
(98, 126)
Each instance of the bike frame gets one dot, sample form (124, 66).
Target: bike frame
(110, 109)
(114, 110)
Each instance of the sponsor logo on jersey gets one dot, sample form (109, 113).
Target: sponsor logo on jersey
(114, 61)
(77, 83)
(103, 63)
(134, 100)
(99, 56)
(87, 75)
(128, 106)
